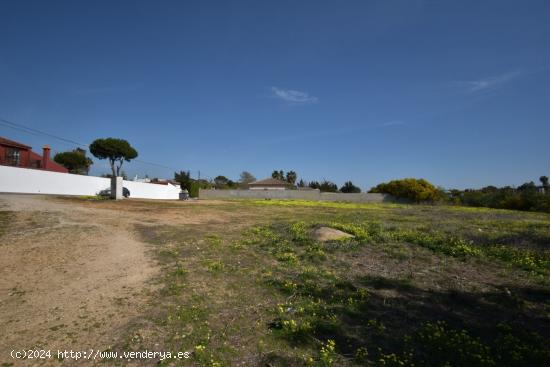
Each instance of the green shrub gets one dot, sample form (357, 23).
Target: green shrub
(328, 186)
(194, 189)
(417, 190)
(349, 188)
(75, 161)
(525, 197)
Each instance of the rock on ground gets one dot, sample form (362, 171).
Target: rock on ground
(324, 234)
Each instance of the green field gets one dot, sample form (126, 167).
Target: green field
(418, 285)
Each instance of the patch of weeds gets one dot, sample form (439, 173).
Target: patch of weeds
(189, 313)
(531, 260)
(315, 253)
(394, 360)
(326, 204)
(287, 256)
(213, 240)
(361, 355)
(376, 325)
(189, 330)
(175, 280)
(240, 244)
(204, 357)
(317, 307)
(379, 234)
(173, 288)
(300, 322)
(289, 286)
(521, 348)
(262, 234)
(327, 354)
(440, 243)
(535, 261)
(214, 266)
(179, 271)
(438, 344)
(292, 329)
(299, 232)
(360, 233)
(257, 236)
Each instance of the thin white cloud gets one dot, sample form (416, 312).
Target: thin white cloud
(293, 96)
(491, 83)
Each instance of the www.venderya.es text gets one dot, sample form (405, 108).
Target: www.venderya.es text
(93, 354)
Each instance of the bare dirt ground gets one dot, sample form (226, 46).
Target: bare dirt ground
(70, 276)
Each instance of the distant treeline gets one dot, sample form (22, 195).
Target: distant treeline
(528, 197)
(221, 182)
(525, 197)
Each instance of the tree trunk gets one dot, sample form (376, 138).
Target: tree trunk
(118, 168)
(112, 163)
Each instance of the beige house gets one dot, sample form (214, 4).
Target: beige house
(269, 184)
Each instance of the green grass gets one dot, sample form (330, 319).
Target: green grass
(327, 305)
(324, 204)
(417, 285)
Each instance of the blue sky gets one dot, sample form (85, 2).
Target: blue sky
(457, 92)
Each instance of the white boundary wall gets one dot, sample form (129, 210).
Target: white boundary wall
(34, 181)
(260, 194)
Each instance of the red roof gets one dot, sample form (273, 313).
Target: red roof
(52, 165)
(33, 157)
(11, 143)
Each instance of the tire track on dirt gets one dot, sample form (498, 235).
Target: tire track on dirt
(77, 282)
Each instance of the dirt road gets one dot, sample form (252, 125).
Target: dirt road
(71, 277)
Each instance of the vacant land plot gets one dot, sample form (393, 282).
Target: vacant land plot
(245, 283)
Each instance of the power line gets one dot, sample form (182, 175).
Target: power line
(25, 131)
(20, 126)
(155, 164)
(30, 130)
